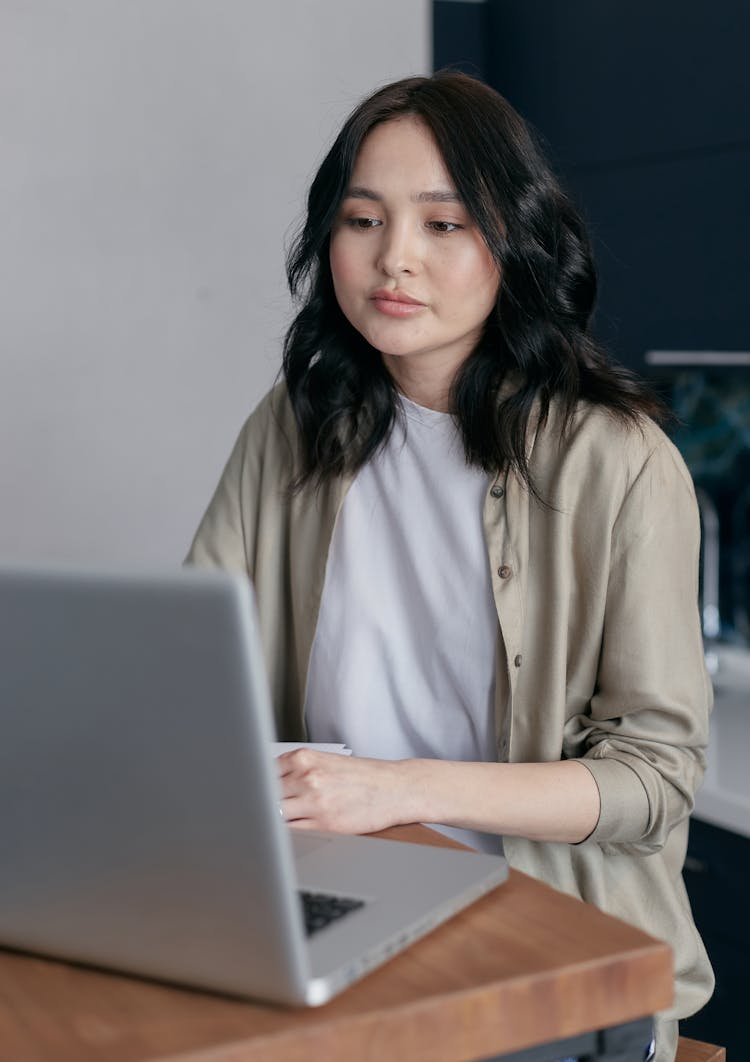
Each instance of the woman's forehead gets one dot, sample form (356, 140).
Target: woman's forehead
(402, 151)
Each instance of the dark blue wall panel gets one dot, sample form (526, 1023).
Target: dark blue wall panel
(644, 109)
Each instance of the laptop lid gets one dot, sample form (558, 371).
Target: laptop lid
(139, 823)
(138, 809)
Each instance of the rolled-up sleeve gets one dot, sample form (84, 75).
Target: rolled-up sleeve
(647, 725)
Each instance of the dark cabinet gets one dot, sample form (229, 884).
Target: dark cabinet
(671, 241)
(624, 80)
(644, 109)
(717, 876)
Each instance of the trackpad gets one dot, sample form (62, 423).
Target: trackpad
(303, 844)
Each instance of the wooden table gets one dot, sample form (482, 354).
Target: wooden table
(523, 966)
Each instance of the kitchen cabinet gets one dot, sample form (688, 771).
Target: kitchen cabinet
(645, 111)
(717, 876)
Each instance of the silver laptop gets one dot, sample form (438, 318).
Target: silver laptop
(139, 820)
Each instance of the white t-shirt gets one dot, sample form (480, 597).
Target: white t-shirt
(403, 659)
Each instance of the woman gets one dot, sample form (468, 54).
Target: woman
(474, 552)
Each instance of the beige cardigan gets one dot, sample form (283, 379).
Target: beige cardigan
(600, 650)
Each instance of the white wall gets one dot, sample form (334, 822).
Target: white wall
(154, 156)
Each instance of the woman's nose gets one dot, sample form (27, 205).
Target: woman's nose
(399, 250)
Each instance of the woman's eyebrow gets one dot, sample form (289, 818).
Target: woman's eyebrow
(442, 195)
(439, 196)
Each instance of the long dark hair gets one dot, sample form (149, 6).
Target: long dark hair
(536, 338)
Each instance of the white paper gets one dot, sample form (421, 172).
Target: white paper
(286, 746)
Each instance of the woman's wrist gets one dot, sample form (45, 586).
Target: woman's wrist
(424, 791)
(557, 801)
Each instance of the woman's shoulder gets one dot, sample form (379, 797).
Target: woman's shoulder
(271, 427)
(266, 446)
(600, 445)
(272, 413)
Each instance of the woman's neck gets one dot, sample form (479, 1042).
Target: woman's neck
(427, 386)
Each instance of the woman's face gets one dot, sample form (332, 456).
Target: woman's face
(411, 270)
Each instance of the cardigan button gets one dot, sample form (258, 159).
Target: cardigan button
(504, 571)
(518, 660)
(497, 492)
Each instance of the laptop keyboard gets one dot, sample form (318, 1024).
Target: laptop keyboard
(320, 909)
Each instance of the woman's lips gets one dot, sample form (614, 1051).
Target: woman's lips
(396, 304)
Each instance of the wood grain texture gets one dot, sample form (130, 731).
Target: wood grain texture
(695, 1051)
(523, 965)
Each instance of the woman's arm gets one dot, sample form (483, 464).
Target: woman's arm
(644, 732)
(541, 801)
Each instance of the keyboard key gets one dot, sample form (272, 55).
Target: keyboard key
(320, 909)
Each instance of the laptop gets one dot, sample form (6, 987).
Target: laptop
(139, 801)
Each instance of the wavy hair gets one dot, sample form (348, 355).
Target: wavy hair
(537, 336)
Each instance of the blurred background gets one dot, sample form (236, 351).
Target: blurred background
(154, 161)
(154, 158)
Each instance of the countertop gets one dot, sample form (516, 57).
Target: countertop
(724, 799)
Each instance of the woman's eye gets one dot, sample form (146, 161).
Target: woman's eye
(444, 227)
(362, 223)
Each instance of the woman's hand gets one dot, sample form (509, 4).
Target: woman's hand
(343, 794)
